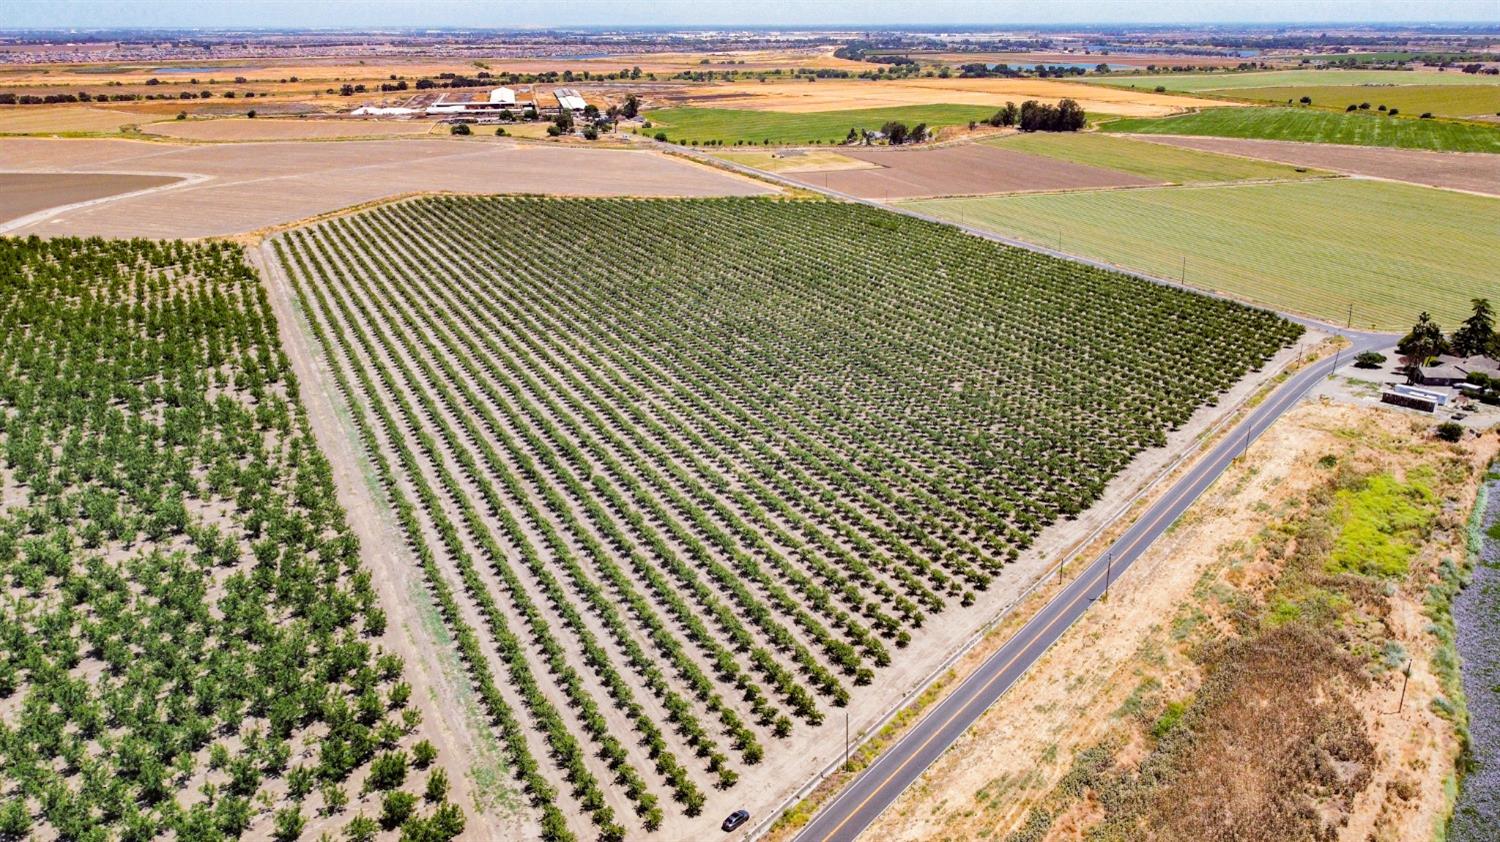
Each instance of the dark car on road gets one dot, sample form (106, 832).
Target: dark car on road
(737, 818)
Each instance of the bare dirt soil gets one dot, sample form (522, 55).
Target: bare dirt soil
(796, 160)
(241, 129)
(1473, 172)
(1110, 678)
(251, 186)
(27, 193)
(963, 169)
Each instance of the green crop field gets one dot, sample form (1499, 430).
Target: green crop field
(1443, 100)
(1228, 82)
(1392, 250)
(1318, 126)
(691, 504)
(1150, 160)
(733, 126)
(189, 646)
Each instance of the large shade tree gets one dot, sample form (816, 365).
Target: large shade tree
(1477, 333)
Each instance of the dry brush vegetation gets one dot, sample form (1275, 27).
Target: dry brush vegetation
(676, 511)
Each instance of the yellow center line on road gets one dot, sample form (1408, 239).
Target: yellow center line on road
(1181, 491)
(959, 712)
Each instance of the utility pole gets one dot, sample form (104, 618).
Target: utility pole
(1349, 322)
(1245, 447)
(846, 740)
(1405, 677)
(1184, 270)
(1109, 564)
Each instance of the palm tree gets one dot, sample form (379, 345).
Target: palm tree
(1423, 342)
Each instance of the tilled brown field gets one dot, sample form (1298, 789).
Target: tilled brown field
(1472, 171)
(23, 193)
(250, 186)
(968, 169)
(241, 129)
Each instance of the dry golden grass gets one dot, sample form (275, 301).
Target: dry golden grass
(31, 119)
(1243, 719)
(840, 94)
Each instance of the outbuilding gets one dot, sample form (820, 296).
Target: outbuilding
(569, 100)
(1449, 370)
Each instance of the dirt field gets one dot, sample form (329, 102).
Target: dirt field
(797, 160)
(241, 129)
(26, 193)
(29, 119)
(1475, 172)
(250, 186)
(963, 169)
(1111, 675)
(1131, 59)
(836, 94)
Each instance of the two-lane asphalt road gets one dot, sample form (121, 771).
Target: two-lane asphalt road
(843, 819)
(848, 815)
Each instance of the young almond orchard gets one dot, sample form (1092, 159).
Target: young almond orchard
(188, 643)
(684, 476)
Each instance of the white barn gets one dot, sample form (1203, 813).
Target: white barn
(499, 99)
(569, 100)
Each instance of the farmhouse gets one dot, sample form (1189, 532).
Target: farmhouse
(1451, 371)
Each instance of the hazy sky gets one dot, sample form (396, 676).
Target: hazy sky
(356, 14)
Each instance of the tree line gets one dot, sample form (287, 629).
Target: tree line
(1474, 337)
(1032, 116)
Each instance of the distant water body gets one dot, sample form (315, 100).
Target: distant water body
(223, 68)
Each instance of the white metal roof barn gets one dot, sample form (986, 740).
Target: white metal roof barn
(569, 100)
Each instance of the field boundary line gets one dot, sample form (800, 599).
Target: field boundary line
(993, 236)
(1197, 448)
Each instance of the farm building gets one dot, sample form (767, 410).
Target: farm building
(1451, 371)
(499, 99)
(384, 111)
(1411, 397)
(569, 100)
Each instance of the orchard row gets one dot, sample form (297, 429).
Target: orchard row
(682, 475)
(188, 643)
